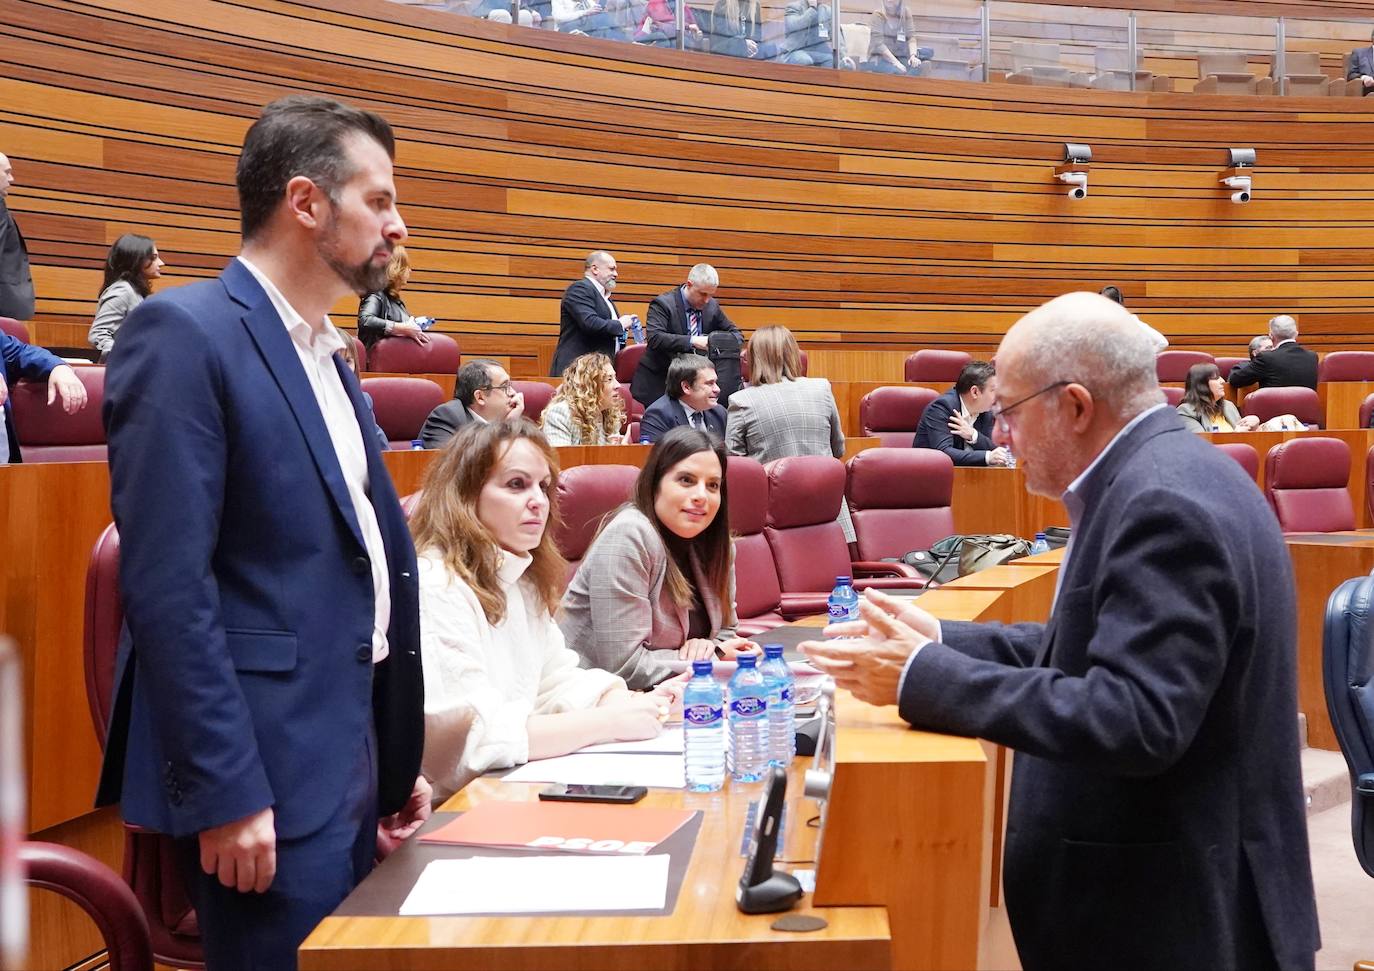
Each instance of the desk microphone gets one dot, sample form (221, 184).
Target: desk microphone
(762, 891)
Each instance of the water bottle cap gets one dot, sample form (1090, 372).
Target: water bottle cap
(701, 667)
(1039, 535)
(417, 443)
(772, 650)
(747, 660)
(843, 580)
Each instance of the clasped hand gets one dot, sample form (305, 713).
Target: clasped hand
(868, 662)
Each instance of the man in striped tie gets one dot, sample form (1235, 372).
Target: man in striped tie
(680, 322)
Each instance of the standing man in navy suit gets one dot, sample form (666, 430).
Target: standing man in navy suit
(959, 422)
(588, 322)
(680, 322)
(1157, 816)
(268, 708)
(690, 400)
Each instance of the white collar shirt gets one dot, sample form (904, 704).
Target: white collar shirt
(604, 295)
(1291, 340)
(315, 347)
(689, 411)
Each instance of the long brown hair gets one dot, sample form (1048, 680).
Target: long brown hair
(445, 518)
(1199, 394)
(773, 356)
(396, 268)
(581, 389)
(711, 547)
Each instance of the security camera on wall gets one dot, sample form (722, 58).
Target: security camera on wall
(1077, 182)
(1073, 171)
(1240, 175)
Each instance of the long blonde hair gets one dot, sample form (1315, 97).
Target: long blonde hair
(445, 518)
(773, 356)
(581, 389)
(396, 269)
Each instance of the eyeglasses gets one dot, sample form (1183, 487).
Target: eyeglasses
(999, 413)
(506, 389)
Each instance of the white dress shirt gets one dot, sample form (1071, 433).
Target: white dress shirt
(606, 297)
(316, 346)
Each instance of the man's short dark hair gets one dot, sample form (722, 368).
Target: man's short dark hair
(1113, 294)
(474, 376)
(685, 368)
(297, 135)
(975, 374)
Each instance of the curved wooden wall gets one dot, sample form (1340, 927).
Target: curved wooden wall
(871, 215)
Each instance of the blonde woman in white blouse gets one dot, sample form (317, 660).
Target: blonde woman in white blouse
(501, 687)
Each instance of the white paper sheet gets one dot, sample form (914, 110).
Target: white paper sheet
(539, 884)
(668, 742)
(603, 769)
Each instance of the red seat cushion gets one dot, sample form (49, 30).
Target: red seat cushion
(1347, 366)
(401, 406)
(537, 397)
(48, 434)
(804, 496)
(401, 355)
(1244, 454)
(586, 494)
(1174, 365)
(627, 360)
(757, 590)
(1302, 403)
(933, 365)
(893, 413)
(1306, 484)
(899, 500)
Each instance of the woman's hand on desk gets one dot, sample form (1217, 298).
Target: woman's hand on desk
(736, 646)
(1248, 424)
(639, 716)
(697, 649)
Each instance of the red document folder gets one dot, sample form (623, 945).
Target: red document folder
(562, 827)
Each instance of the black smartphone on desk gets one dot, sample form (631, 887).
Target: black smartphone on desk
(560, 792)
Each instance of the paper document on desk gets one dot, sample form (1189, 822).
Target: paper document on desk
(604, 769)
(539, 885)
(667, 742)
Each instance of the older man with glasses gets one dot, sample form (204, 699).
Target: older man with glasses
(1157, 813)
(483, 392)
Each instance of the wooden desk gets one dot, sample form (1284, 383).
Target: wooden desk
(1343, 400)
(1028, 587)
(992, 500)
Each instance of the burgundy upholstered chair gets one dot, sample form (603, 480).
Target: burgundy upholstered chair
(632, 433)
(48, 434)
(1346, 366)
(150, 862)
(586, 493)
(744, 363)
(893, 413)
(899, 500)
(758, 595)
(1369, 482)
(1305, 481)
(401, 355)
(808, 544)
(633, 409)
(97, 890)
(1302, 403)
(537, 397)
(1174, 365)
(1174, 396)
(401, 406)
(1224, 364)
(627, 361)
(929, 366)
(1366, 411)
(1244, 454)
(15, 328)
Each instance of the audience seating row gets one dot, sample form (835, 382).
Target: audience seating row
(401, 355)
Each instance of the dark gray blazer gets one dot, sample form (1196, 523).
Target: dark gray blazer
(666, 337)
(443, 423)
(585, 326)
(1156, 810)
(1289, 365)
(16, 282)
(1361, 62)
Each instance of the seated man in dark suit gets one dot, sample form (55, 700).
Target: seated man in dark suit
(690, 400)
(679, 322)
(482, 393)
(959, 422)
(1362, 66)
(588, 322)
(1288, 365)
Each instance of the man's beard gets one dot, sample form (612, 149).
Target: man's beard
(362, 278)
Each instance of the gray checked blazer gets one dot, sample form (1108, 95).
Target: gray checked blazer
(773, 421)
(617, 615)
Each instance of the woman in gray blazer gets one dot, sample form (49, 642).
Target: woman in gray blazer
(1204, 407)
(131, 266)
(656, 589)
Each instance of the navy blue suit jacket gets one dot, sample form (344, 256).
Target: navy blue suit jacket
(932, 431)
(666, 414)
(585, 326)
(245, 675)
(22, 361)
(1157, 810)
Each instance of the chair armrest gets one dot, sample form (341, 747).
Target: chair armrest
(881, 568)
(891, 583)
(795, 605)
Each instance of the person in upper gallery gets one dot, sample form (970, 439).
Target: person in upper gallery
(959, 422)
(680, 322)
(892, 39)
(383, 313)
(501, 685)
(16, 279)
(1287, 365)
(587, 408)
(1156, 811)
(1157, 340)
(482, 393)
(807, 39)
(659, 25)
(131, 266)
(736, 30)
(585, 17)
(1204, 407)
(657, 587)
(1259, 345)
(588, 322)
(690, 400)
(1362, 66)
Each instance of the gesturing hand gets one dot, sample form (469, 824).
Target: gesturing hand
(869, 667)
(393, 830)
(243, 853)
(962, 427)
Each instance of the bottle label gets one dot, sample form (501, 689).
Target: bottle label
(702, 714)
(838, 611)
(748, 706)
(786, 695)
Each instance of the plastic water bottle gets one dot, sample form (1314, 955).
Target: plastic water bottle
(1011, 459)
(748, 721)
(703, 726)
(782, 733)
(1040, 545)
(843, 602)
(417, 445)
(637, 328)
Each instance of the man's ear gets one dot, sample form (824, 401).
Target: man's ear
(306, 201)
(1081, 407)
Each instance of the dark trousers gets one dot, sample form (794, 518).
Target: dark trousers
(261, 932)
